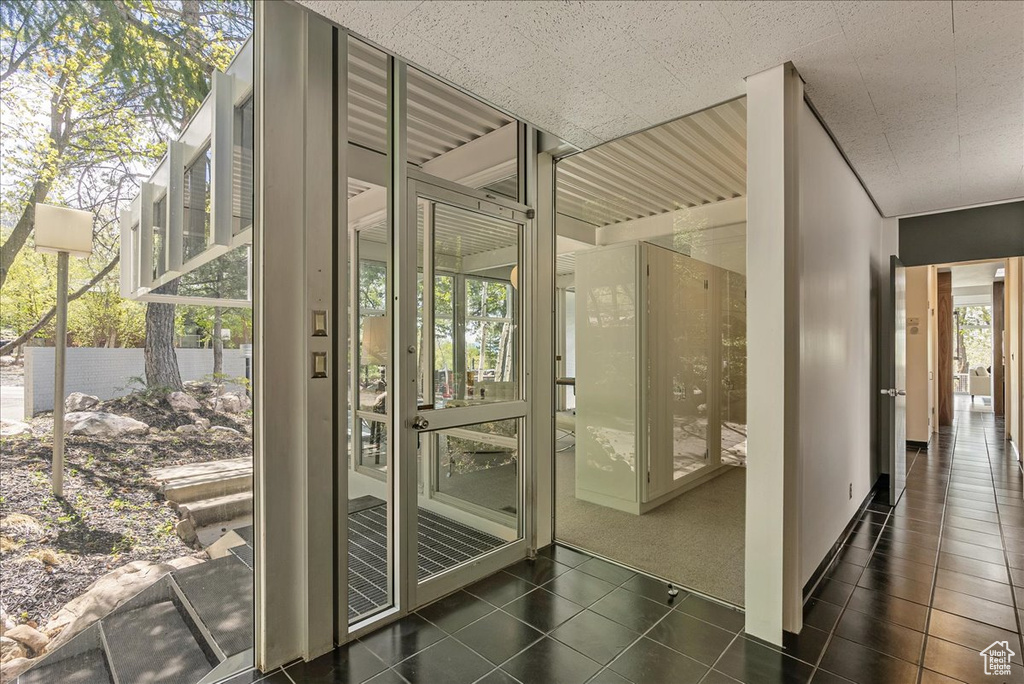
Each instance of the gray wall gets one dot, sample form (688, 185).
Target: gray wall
(993, 232)
(109, 373)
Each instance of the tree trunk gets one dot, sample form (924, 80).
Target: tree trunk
(161, 361)
(218, 344)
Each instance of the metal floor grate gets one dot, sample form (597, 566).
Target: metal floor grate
(444, 544)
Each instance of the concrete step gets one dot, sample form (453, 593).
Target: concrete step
(154, 645)
(89, 667)
(197, 481)
(218, 509)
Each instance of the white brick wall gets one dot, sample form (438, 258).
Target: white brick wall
(108, 373)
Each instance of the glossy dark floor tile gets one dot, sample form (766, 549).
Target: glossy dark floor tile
(455, 611)
(913, 595)
(864, 665)
(542, 609)
(498, 636)
(649, 661)
(538, 571)
(595, 636)
(402, 639)
(580, 587)
(715, 613)
(630, 610)
(350, 663)
(886, 637)
(750, 662)
(500, 588)
(691, 637)
(549, 660)
(609, 572)
(446, 661)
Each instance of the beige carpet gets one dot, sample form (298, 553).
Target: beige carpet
(695, 540)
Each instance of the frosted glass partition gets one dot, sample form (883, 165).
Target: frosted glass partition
(660, 374)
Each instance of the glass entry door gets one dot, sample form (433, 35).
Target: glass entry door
(464, 436)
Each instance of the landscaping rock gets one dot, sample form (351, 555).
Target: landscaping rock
(154, 430)
(106, 594)
(6, 622)
(230, 402)
(13, 428)
(11, 650)
(103, 425)
(180, 401)
(77, 401)
(31, 638)
(188, 429)
(186, 531)
(223, 430)
(203, 423)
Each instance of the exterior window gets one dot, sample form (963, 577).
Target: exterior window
(160, 237)
(242, 197)
(196, 228)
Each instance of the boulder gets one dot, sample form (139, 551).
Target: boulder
(188, 429)
(181, 401)
(11, 649)
(6, 622)
(230, 402)
(223, 430)
(77, 401)
(13, 428)
(186, 531)
(29, 637)
(103, 425)
(12, 669)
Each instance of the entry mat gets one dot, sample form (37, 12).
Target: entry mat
(443, 543)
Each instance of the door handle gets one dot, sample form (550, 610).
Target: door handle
(420, 423)
(888, 392)
(901, 393)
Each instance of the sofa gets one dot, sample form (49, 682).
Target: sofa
(980, 382)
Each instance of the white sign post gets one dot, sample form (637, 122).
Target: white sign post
(63, 232)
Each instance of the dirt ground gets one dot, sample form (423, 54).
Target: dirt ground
(112, 512)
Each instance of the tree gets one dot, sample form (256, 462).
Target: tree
(90, 90)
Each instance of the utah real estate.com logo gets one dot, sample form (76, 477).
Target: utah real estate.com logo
(997, 658)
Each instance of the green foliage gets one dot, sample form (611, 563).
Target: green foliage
(90, 91)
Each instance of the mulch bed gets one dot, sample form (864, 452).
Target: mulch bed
(112, 512)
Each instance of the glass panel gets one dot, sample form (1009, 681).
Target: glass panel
(196, 223)
(442, 120)
(473, 507)
(688, 366)
(242, 168)
(160, 237)
(476, 330)
(370, 526)
(734, 368)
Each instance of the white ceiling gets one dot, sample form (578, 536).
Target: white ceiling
(926, 98)
(975, 275)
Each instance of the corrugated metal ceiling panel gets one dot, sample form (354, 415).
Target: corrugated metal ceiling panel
(692, 161)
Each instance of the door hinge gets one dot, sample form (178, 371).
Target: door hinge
(705, 284)
(648, 269)
(648, 477)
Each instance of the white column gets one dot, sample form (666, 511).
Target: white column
(294, 430)
(772, 590)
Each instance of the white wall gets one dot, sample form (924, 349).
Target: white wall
(111, 373)
(918, 399)
(840, 265)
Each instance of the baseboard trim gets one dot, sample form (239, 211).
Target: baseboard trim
(917, 444)
(881, 484)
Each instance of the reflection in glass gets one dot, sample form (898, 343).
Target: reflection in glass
(196, 223)
(473, 507)
(734, 368)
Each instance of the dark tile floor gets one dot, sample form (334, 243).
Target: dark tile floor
(915, 594)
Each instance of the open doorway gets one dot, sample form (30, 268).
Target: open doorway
(651, 313)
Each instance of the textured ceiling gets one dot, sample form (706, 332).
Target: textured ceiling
(926, 98)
